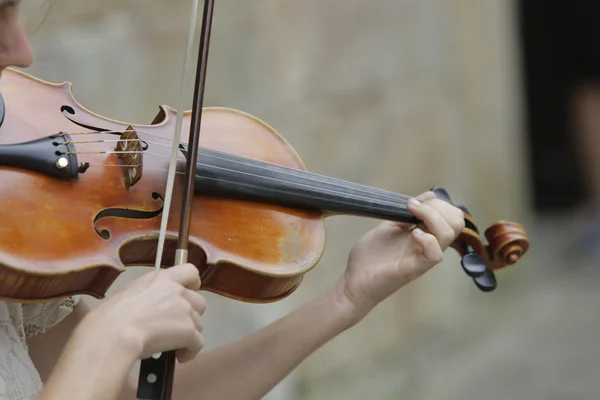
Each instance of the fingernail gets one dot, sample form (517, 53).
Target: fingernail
(418, 231)
(414, 202)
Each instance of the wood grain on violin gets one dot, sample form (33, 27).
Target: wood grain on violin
(83, 201)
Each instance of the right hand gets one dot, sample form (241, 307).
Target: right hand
(161, 311)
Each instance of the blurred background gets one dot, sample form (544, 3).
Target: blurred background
(495, 100)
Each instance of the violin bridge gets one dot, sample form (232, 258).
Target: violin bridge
(129, 150)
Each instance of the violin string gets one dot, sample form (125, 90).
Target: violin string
(305, 175)
(114, 141)
(132, 166)
(393, 197)
(234, 182)
(96, 132)
(314, 177)
(114, 165)
(117, 132)
(391, 201)
(113, 152)
(225, 157)
(101, 141)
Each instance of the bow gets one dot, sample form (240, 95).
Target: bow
(157, 373)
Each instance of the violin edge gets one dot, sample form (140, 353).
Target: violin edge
(17, 285)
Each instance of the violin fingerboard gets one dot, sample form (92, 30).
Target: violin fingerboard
(156, 377)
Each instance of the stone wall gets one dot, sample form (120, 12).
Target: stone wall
(397, 94)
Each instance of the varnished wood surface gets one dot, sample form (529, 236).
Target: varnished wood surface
(254, 252)
(507, 242)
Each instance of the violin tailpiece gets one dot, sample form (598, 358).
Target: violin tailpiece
(53, 156)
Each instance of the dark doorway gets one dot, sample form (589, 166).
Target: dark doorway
(549, 71)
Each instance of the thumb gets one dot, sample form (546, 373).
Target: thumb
(186, 275)
(430, 247)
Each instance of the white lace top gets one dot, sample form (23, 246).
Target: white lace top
(19, 380)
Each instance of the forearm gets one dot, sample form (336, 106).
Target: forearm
(90, 368)
(250, 368)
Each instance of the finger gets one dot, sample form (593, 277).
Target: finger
(429, 195)
(197, 321)
(196, 340)
(429, 244)
(186, 275)
(425, 196)
(452, 214)
(404, 225)
(197, 301)
(457, 222)
(191, 350)
(434, 221)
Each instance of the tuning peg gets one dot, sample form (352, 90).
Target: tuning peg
(507, 243)
(473, 263)
(442, 194)
(486, 282)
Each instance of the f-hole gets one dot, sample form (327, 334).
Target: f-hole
(69, 110)
(126, 213)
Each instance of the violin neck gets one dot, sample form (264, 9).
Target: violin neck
(232, 176)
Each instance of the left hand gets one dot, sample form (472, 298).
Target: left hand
(394, 254)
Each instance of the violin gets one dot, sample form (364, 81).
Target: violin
(84, 197)
(257, 216)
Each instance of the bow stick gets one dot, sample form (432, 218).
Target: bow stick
(157, 372)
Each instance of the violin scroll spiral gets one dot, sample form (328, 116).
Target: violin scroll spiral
(507, 243)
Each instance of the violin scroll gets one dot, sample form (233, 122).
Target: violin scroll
(507, 243)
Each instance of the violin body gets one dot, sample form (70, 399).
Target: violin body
(82, 200)
(49, 236)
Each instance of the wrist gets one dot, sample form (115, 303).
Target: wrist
(345, 308)
(95, 363)
(108, 336)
